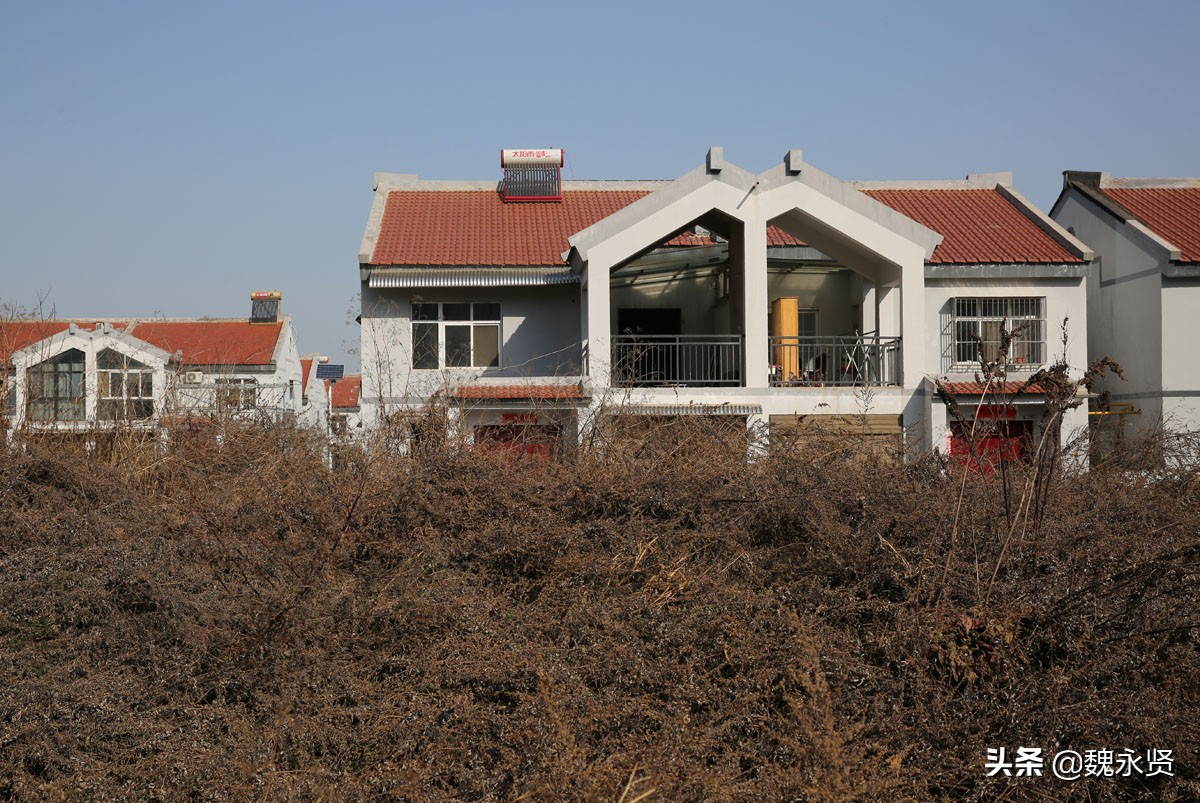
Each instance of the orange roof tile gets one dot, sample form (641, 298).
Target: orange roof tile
(346, 391)
(997, 390)
(476, 227)
(305, 371)
(16, 335)
(1172, 213)
(518, 392)
(977, 226)
(213, 342)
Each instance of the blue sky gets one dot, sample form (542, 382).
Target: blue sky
(167, 159)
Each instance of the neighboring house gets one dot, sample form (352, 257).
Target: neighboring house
(80, 376)
(314, 400)
(784, 298)
(1144, 296)
(344, 410)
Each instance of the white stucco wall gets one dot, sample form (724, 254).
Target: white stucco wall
(1125, 314)
(1180, 366)
(540, 337)
(1066, 299)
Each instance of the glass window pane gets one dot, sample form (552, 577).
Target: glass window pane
(487, 346)
(458, 346)
(487, 312)
(141, 408)
(424, 312)
(147, 385)
(109, 409)
(456, 312)
(109, 359)
(425, 345)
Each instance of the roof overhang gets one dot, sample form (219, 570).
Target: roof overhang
(389, 278)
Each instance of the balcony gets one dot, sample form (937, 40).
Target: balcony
(854, 360)
(677, 361)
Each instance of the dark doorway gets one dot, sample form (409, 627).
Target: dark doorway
(665, 321)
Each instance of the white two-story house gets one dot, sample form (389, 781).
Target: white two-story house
(532, 305)
(1144, 295)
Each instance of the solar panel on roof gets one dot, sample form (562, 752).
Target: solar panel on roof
(532, 175)
(331, 372)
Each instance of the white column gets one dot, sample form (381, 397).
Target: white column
(869, 302)
(755, 302)
(597, 341)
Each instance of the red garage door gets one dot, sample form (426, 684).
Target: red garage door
(996, 441)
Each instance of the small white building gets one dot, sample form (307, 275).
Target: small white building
(780, 298)
(1144, 295)
(64, 376)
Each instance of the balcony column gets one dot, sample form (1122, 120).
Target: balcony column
(755, 303)
(869, 302)
(596, 326)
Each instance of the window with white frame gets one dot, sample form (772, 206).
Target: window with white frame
(979, 322)
(126, 387)
(55, 388)
(455, 335)
(236, 394)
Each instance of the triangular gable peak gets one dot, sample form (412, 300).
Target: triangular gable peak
(807, 204)
(71, 335)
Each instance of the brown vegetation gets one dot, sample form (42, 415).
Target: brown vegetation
(673, 623)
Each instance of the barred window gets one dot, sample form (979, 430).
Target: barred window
(978, 323)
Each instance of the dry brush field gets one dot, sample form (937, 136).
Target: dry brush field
(666, 622)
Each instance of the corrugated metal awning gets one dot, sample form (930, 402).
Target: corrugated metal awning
(689, 409)
(391, 278)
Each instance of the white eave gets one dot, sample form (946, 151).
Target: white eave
(393, 278)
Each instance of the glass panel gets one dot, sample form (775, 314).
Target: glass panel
(147, 385)
(141, 408)
(966, 308)
(110, 359)
(425, 345)
(458, 346)
(424, 312)
(109, 408)
(965, 348)
(456, 312)
(808, 323)
(487, 312)
(487, 346)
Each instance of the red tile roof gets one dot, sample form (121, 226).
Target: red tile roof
(16, 335)
(213, 342)
(345, 392)
(997, 389)
(521, 392)
(977, 226)
(201, 342)
(775, 237)
(1172, 213)
(305, 370)
(476, 227)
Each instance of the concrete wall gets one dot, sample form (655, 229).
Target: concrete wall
(1066, 299)
(831, 294)
(540, 336)
(1180, 365)
(1124, 303)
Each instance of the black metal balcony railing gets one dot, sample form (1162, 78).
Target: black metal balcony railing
(849, 360)
(687, 360)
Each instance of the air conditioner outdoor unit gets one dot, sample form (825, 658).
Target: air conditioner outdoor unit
(193, 377)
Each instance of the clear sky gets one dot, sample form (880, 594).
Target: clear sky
(166, 159)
